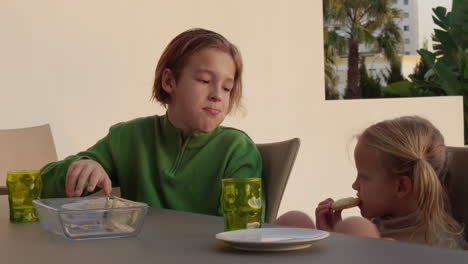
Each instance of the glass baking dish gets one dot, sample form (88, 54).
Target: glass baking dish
(93, 217)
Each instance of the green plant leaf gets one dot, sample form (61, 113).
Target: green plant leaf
(444, 37)
(430, 75)
(403, 89)
(428, 89)
(463, 63)
(439, 23)
(427, 56)
(465, 74)
(459, 22)
(449, 80)
(450, 62)
(440, 14)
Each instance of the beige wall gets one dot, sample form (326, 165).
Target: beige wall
(84, 65)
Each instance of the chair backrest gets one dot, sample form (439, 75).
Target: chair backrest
(278, 160)
(457, 184)
(25, 149)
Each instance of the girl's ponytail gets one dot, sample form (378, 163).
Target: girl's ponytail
(433, 202)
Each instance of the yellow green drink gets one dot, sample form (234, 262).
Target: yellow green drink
(241, 199)
(23, 188)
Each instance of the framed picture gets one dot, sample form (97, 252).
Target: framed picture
(372, 47)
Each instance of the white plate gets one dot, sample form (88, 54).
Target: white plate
(272, 239)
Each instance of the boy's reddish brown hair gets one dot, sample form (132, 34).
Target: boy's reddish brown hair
(177, 53)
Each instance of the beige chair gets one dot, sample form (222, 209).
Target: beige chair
(278, 160)
(457, 183)
(25, 149)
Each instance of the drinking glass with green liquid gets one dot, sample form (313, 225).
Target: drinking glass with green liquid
(241, 199)
(23, 188)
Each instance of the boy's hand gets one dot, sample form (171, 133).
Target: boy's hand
(86, 171)
(325, 216)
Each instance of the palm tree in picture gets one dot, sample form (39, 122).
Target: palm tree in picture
(332, 43)
(369, 22)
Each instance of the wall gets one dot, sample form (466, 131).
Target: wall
(84, 65)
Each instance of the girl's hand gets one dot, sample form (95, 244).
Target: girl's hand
(86, 171)
(325, 216)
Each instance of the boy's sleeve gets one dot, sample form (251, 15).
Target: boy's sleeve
(245, 162)
(54, 174)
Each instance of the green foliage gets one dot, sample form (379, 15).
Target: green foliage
(369, 85)
(394, 74)
(420, 71)
(448, 64)
(400, 89)
(332, 42)
(331, 94)
(408, 88)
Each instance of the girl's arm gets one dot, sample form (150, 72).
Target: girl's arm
(326, 218)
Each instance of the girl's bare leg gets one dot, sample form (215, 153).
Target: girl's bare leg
(357, 226)
(295, 219)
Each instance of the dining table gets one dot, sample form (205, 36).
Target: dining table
(171, 236)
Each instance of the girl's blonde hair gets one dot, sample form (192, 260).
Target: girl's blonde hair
(416, 148)
(177, 53)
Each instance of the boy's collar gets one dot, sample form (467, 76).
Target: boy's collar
(195, 139)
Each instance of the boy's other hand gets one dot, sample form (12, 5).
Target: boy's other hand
(86, 171)
(326, 218)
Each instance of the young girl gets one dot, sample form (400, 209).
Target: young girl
(176, 160)
(399, 163)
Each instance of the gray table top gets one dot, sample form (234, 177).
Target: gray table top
(170, 236)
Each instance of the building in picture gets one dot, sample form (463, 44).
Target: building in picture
(409, 25)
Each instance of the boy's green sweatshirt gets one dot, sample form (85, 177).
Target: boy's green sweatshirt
(149, 160)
